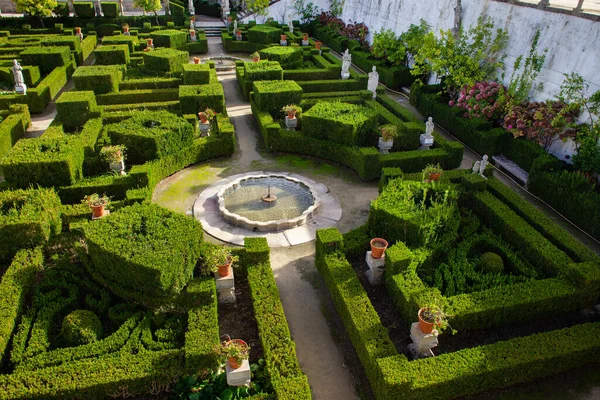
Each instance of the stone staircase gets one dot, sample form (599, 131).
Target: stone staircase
(212, 30)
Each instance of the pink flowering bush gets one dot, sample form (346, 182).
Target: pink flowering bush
(480, 100)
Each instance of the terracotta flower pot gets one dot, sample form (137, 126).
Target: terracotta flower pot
(291, 114)
(98, 211)
(204, 120)
(305, 37)
(256, 59)
(434, 177)
(232, 362)
(150, 42)
(378, 246)
(426, 327)
(224, 269)
(283, 37)
(196, 60)
(318, 45)
(125, 29)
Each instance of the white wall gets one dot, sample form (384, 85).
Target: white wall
(283, 10)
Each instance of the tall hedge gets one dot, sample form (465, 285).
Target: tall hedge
(47, 58)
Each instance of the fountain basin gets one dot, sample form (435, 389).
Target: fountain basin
(240, 203)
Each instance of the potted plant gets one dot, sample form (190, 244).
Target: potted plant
(97, 203)
(318, 45)
(115, 155)
(283, 38)
(77, 30)
(386, 141)
(432, 316)
(433, 172)
(290, 109)
(150, 43)
(207, 115)
(219, 259)
(236, 351)
(255, 56)
(305, 36)
(378, 246)
(196, 60)
(125, 28)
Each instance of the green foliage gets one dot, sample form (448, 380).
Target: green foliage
(264, 34)
(258, 7)
(12, 129)
(81, 327)
(36, 8)
(28, 218)
(149, 135)
(342, 123)
(272, 96)
(110, 9)
(84, 9)
(288, 57)
(44, 161)
(387, 46)
(76, 107)
(194, 98)
(118, 249)
(99, 79)
(166, 60)
(112, 55)
(473, 56)
(148, 5)
(130, 41)
(196, 74)
(170, 38)
(260, 71)
(491, 263)
(39, 97)
(46, 58)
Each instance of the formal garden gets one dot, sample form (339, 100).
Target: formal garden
(449, 284)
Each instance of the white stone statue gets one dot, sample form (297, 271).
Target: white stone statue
(17, 71)
(429, 126)
(476, 167)
(346, 62)
(426, 139)
(97, 8)
(373, 81)
(291, 27)
(235, 29)
(483, 164)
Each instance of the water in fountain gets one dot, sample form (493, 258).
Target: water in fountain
(293, 199)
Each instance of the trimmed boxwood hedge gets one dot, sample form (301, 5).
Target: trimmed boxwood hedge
(76, 107)
(288, 57)
(272, 95)
(84, 9)
(46, 58)
(110, 9)
(149, 135)
(130, 41)
(170, 38)
(264, 34)
(13, 127)
(196, 98)
(144, 252)
(98, 78)
(45, 162)
(112, 54)
(28, 218)
(196, 74)
(165, 60)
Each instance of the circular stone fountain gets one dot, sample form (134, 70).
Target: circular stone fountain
(267, 203)
(285, 208)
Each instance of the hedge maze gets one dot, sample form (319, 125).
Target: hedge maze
(443, 238)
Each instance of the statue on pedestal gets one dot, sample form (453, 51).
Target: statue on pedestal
(17, 71)
(373, 81)
(426, 139)
(235, 29)
(346, 62)
(291, 27)
(484, 163)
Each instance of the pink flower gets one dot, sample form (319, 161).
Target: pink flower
(510, 127)
(468, 97)
(472, 92)
(478, 97)
(451, 103)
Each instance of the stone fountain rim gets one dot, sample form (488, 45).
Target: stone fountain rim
(272, 225)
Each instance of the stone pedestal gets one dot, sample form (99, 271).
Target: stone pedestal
(376, 269)
(127, 33)
(240, 376)
(118, 167)
(21, 89)
(422, 342)
(283, 42)
(345, 75)
(238, 37)
(193, 36)
(204, 128)
(291, 123)
(385, 145)
(304, 42)
(226, 287)
(80, 36)
(426, 141)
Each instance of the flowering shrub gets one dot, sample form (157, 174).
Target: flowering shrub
(542, 122)
(333, 22)
(356, 31)
(480, 100)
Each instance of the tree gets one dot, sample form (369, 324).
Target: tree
(149, 6)
(36, 8)
(306, 11)
(258, 7)
(462, 60)
(412, 40)
(387, 47)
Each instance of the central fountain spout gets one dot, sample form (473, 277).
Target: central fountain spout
(269, 198)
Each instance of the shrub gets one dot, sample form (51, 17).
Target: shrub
(264, 34)
(196, 74)
(118, 249)
(75, 108)
(130, 41)
(342, 123)
(12, 129)
(112, 54)
(165, 60)
(491, 263)
(28, 218)
(81, 327)
(150, 135)
(39, 97)
(110, 9)
(272, 96)
(288, 57)
(99, 79)
(260, 71)
(84, 9)
(44, 161)
(46, 58)
(194, 98)
(169, 38)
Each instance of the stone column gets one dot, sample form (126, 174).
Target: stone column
(191, 7)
